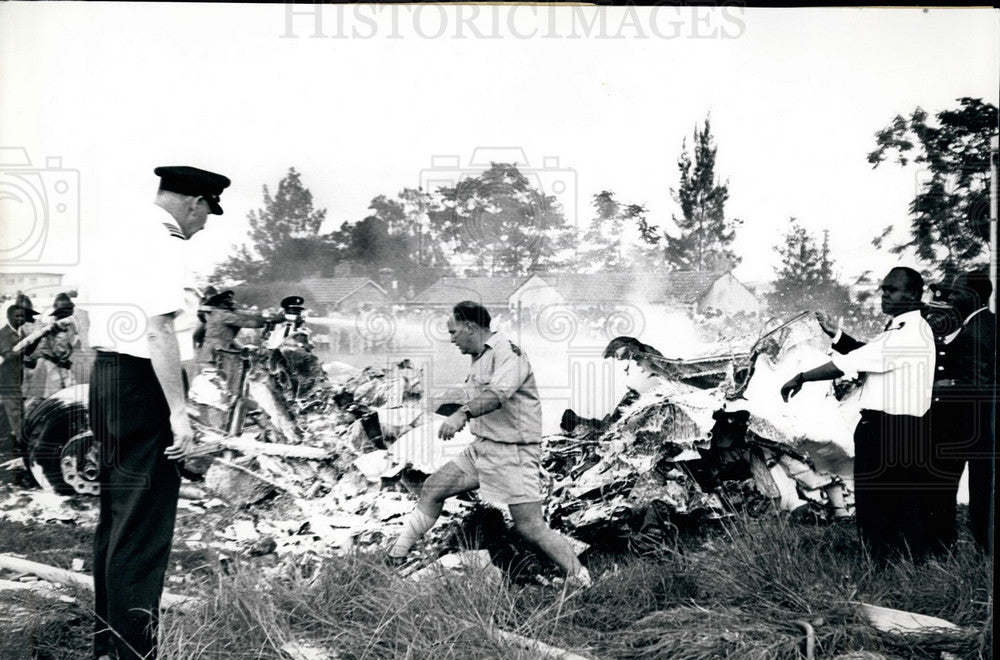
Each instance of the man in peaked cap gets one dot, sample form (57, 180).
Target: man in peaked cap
(62, 306)
(198, 337)
(222, 325)
(193, 182)
(19, 313)
(292, 308)
(963, 405)
(137, 405)
(56, 348)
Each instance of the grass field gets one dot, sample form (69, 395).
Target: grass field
(749, 589)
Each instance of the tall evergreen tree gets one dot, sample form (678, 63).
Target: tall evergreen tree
(706, 235)
(949, 216)
(805, 278)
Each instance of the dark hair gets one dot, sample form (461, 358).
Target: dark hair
(472, 311)
(978, 282)
(914, 280)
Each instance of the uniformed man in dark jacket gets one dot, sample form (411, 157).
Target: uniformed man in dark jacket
(962, 411)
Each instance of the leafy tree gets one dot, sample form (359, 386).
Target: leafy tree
(805, 278)
(502, 224)
(395, 238)
(601, 247)
(409, 215)
(285, 243)
(604, 248)
(705, 233)
(949, 225)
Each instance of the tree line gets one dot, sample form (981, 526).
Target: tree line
(498, 222)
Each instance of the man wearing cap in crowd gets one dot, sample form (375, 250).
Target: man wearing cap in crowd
(137, 405)
(293, 324)
(52, 373)
(198, 337)
(19, 313)
(963, 408)
(223, 323)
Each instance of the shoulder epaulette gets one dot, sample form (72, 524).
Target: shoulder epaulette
(175, 231)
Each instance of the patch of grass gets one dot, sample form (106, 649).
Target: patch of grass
(46, 629)
(55, 544)
(749, 591)
(356, 607)
(745, 590)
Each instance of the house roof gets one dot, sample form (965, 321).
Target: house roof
(690, 287)
(333, 290)
(484, 290)
(596, 288)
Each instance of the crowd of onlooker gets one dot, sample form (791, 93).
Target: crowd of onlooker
(37, 358)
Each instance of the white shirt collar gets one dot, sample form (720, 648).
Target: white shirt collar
(900, 319)
(171, 224)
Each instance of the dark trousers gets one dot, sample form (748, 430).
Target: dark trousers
(896, 483)
(964, 432)
(139, 488)
(13, 407)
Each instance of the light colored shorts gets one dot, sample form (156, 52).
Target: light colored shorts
(507, 473)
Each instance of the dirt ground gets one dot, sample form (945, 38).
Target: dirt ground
(58, 531)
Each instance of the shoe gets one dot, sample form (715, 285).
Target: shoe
(21, 478)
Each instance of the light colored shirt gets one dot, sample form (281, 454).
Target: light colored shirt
(142, 275)
(504, 371)
(898, 366)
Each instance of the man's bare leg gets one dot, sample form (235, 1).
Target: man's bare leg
(529, 523)
(447, 482)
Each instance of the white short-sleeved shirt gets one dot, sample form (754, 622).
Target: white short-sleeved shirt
(503, 370)
(898, 366)
(142, 275)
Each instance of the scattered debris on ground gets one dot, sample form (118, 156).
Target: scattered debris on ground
(303, 459)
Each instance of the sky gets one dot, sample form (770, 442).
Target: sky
(382, 95)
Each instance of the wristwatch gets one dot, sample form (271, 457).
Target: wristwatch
(465, 409)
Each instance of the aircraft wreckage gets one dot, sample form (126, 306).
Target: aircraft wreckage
(320, 459)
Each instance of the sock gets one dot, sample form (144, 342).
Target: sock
(414, 526)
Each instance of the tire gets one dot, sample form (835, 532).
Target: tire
(56, 432)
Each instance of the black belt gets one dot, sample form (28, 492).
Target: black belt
(106, 355)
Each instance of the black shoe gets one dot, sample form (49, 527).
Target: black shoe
(21, 478)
